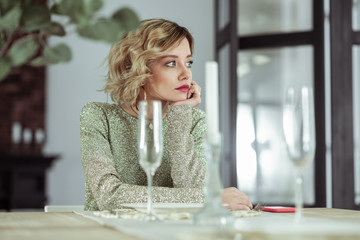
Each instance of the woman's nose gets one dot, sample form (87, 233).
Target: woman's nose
(185, 73)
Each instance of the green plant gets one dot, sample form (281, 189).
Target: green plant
(26, 24)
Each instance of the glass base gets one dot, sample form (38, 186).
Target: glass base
(150, 217)
(214, 215)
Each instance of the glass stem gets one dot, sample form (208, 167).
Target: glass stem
(214, 185)
(299, 195)
(149, 202)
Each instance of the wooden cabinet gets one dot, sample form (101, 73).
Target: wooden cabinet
(23, 180)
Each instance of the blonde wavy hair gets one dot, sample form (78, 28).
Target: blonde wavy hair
(130, 59)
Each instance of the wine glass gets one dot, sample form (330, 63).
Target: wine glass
(299, 132)
(150, 143)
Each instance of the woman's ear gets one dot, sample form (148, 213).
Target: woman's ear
(142, 93)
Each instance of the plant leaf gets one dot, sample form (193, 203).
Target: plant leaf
(58, 53)
(7, 5)
(39, 61)
(55, 29)
(53, 55)
(67, 7)
(22, 50)
(56, 9)
(85, 12)
(92, 6)
(80, 17)
(11, 19)
(2, 40)
(126, 18)
(5, 68)
(35, 17)
(106, 30)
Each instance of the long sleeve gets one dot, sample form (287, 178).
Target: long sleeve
(185, 146)
(107, 187)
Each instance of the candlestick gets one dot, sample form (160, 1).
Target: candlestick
(213, 214)
(212, 101)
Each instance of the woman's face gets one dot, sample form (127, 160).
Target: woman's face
(171, 75)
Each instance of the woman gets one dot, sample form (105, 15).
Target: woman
(152, 62)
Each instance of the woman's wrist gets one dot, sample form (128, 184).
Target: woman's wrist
(181, 113)
(179, 122)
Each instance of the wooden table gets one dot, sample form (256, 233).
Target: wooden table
(326, 214)
(53, 226)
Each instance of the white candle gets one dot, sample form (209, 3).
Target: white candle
(212, 102)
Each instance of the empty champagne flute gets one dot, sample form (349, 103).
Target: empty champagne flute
(299, 132)
(150, 143)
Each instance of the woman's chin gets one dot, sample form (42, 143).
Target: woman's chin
(178, 99)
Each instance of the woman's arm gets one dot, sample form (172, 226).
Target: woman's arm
(185, 145)
(187, 155)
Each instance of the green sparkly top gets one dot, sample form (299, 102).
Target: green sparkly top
(109, 155)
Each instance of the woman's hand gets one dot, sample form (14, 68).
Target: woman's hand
(193, 96)
(235, 199)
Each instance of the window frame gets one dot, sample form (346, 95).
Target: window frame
(342, 38)
(315, 37)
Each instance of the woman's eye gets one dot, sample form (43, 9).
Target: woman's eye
(171, 64)
(189, 64)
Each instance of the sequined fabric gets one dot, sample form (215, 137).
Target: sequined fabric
(113, 174)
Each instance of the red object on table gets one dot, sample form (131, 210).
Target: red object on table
(279, 209)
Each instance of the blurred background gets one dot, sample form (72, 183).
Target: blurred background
(261, 46)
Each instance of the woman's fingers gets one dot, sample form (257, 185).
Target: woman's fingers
(235, 199)
(194, 91)
(237, 207)
(193, 96)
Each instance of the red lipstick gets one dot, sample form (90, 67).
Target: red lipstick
(183, 88)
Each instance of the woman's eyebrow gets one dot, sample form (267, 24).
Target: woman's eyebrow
(175, 56)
